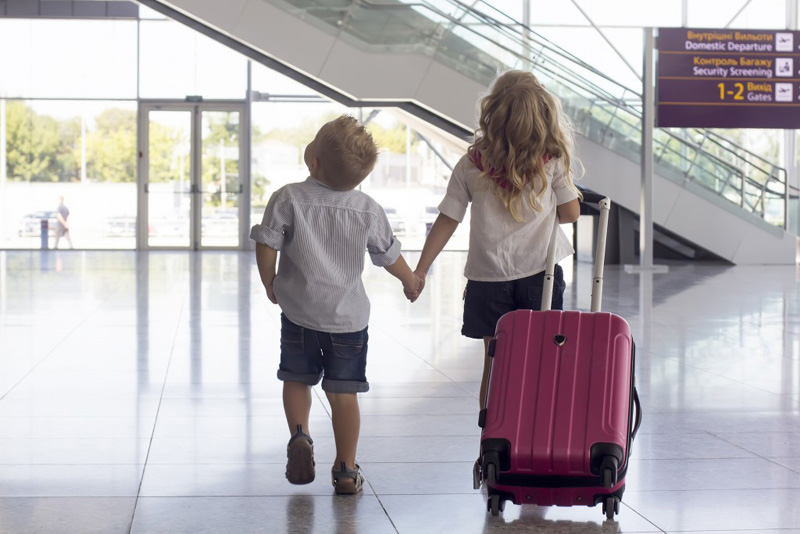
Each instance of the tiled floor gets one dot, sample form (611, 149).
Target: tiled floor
(138, 394)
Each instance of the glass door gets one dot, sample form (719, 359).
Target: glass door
(190, 179)
(220, 188)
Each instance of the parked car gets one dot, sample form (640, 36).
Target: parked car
(221, 224)
(120, 226)
(31, 224)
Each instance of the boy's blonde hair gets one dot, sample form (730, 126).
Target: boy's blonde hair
(521, 127)
(346, 152)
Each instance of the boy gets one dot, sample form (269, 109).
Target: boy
(322, 227)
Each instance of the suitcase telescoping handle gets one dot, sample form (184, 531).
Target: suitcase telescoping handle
(599, 258)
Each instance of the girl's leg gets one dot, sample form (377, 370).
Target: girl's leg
(346, 427)
(485, 379)
(297, 405)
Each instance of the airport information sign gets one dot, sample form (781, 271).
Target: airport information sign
(728, 78)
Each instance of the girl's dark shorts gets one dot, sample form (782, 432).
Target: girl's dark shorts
(309, 355)
(486, 302)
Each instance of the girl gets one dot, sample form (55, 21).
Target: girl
(517, 174)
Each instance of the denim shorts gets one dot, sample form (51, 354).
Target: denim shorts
(340, 360)
(486, 302)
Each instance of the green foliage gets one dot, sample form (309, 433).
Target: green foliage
(298, 135)
(168, 153)
(221, 143)
(392, 139)
(32, 144)
(111, 147)
(43, 149)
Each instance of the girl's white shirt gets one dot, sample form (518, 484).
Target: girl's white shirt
(501, 248)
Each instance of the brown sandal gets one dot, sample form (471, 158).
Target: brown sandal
(300, 453)
(347, 481)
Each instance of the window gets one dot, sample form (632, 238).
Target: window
(83, 152)
(61, 58)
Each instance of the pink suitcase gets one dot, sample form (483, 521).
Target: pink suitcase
(562, 410)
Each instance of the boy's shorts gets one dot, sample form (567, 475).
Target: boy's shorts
(309, 355)
(486, 302)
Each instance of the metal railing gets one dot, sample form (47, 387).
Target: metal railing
(478, 40)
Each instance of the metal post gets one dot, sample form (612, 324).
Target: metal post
(223, 187)
(648, 108)
(408, 157)
(83, 150)
(790, 221)
(3, 162)
(526, 35)
(685, 13)
(648, 126)
(245, 169)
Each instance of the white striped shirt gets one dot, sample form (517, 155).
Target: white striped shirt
(322, 234)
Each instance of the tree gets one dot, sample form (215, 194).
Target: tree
(221, 140)
(111, 147)
(392, 139)
(32, 144)
(168, 153)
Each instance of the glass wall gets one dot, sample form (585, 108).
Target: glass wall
(68, 135)
(177, 61)
(82, 152)
(69, 91)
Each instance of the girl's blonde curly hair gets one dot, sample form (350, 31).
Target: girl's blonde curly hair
(521, 128)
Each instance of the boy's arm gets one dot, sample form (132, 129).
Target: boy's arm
(441, 232)
(412, 285)
(266, 257)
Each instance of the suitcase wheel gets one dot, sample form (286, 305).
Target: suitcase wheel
(608, 478)
(495, 504)
(611, 506)
(491, 473)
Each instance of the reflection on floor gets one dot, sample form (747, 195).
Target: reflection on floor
(138, 394)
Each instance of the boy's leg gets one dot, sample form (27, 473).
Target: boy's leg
(299, 369)
(297, 405)
(346, 417)
(300, 451)
(345, 364)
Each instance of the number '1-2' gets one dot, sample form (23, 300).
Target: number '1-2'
(737, 96)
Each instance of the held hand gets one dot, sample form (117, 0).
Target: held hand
(413, 289)
(421, 278)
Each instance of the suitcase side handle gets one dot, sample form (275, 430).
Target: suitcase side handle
(638, 406)
(599, 257)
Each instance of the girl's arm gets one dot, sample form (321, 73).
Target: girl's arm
(569, 211)
(440, 234)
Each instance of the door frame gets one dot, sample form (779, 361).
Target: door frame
(143, 140)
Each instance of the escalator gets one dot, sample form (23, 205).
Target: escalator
(433, 59)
